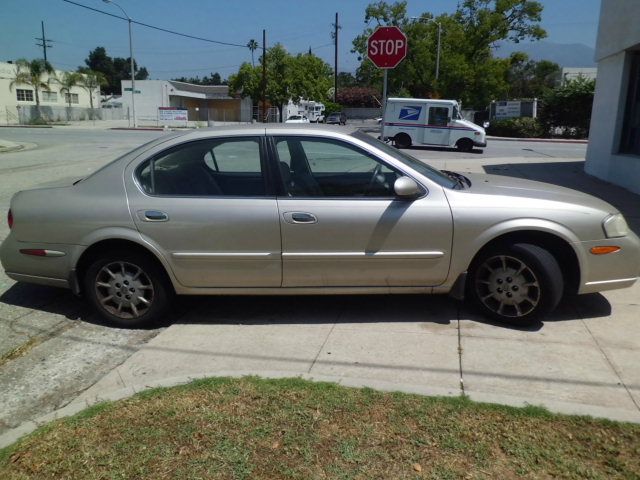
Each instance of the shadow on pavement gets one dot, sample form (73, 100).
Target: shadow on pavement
(282, 310)
(572, 175)
(475, 151)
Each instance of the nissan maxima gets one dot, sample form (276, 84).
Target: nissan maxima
(297, 210)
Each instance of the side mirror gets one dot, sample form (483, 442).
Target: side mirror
(406, 187)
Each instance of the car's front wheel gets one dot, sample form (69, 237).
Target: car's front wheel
(516, 284)
(127, 289)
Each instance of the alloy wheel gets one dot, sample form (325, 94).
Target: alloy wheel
(507, 286)
(124, 290)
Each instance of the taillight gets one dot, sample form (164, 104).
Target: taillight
(10, 219)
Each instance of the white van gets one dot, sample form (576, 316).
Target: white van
(423, 121)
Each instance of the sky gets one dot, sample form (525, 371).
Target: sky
(297, 24)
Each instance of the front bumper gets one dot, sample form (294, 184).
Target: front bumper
(611, 271)
(480, 144)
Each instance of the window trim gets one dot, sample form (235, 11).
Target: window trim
(50, 92)
(264, 165)
(68, 95)
(19, 90)
(282, 190)
(625, 146)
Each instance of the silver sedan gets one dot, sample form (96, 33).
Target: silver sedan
(300, 210)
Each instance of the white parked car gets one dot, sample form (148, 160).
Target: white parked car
(297, 119)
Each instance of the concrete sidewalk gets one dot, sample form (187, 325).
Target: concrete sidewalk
(582, 360)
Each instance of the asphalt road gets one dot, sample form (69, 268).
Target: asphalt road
(51, 347)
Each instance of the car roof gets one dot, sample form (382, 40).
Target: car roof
(260, 129)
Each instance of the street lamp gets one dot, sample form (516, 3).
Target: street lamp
(439, 36)
(133, 74)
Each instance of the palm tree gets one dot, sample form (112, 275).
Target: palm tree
(67, 82)
(253, 46)
(35, 73)
(90, 81)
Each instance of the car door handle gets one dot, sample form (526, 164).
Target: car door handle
(155, 216)
(300, 217)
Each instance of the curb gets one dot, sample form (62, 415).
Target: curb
(15, 148)
(26, 126)
(568, 408)
(539, 140)
(148, 129)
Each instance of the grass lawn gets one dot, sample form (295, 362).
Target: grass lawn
(275, 429)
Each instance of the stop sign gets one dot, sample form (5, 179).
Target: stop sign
(387, 47)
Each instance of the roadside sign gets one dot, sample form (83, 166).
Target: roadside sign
(387, 47)
(172, 114)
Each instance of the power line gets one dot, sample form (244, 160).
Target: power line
(156, 28)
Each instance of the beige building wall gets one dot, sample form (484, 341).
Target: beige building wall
(10, 105)
(618, 41)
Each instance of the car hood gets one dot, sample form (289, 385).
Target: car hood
(498, 185)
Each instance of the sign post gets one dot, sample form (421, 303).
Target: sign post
(386, 48)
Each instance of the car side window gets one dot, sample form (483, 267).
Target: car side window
(216, 167)
(439, 116)
(322, 167)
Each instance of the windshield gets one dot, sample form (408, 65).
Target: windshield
(456, 113)
(420, 167)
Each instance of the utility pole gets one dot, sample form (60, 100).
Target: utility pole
(264, 76)
(133, 72)
(44, 42)
(335, 61)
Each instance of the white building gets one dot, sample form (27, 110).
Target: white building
(202, 102)
(614, 140)
(572, 73)
(17, 102)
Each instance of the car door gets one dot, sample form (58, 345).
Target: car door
(437, 131)
(207, 206)
(343, 226)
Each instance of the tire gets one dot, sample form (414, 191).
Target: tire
(402, 140)
(516, 284)
(114, 280)
(464, 145)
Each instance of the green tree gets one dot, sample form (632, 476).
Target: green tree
(247, 82)
(346, 79)
(212, 79)
(278, 80)
(114, 69)
(67, 82)
(288, 77)
(468, 69)
(568, 107)
(92, 81)
(530, 79)
(37, 74)
(310, 77)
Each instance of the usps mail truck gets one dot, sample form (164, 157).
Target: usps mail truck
(423, 121)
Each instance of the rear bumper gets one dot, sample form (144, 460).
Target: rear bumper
(43, 270)
(48, 281)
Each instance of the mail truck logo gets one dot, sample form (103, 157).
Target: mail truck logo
(410, 113)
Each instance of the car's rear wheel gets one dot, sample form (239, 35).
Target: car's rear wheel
(127, 290)
(516, 284)
(402, 140)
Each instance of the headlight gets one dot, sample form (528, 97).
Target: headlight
(615, 226)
